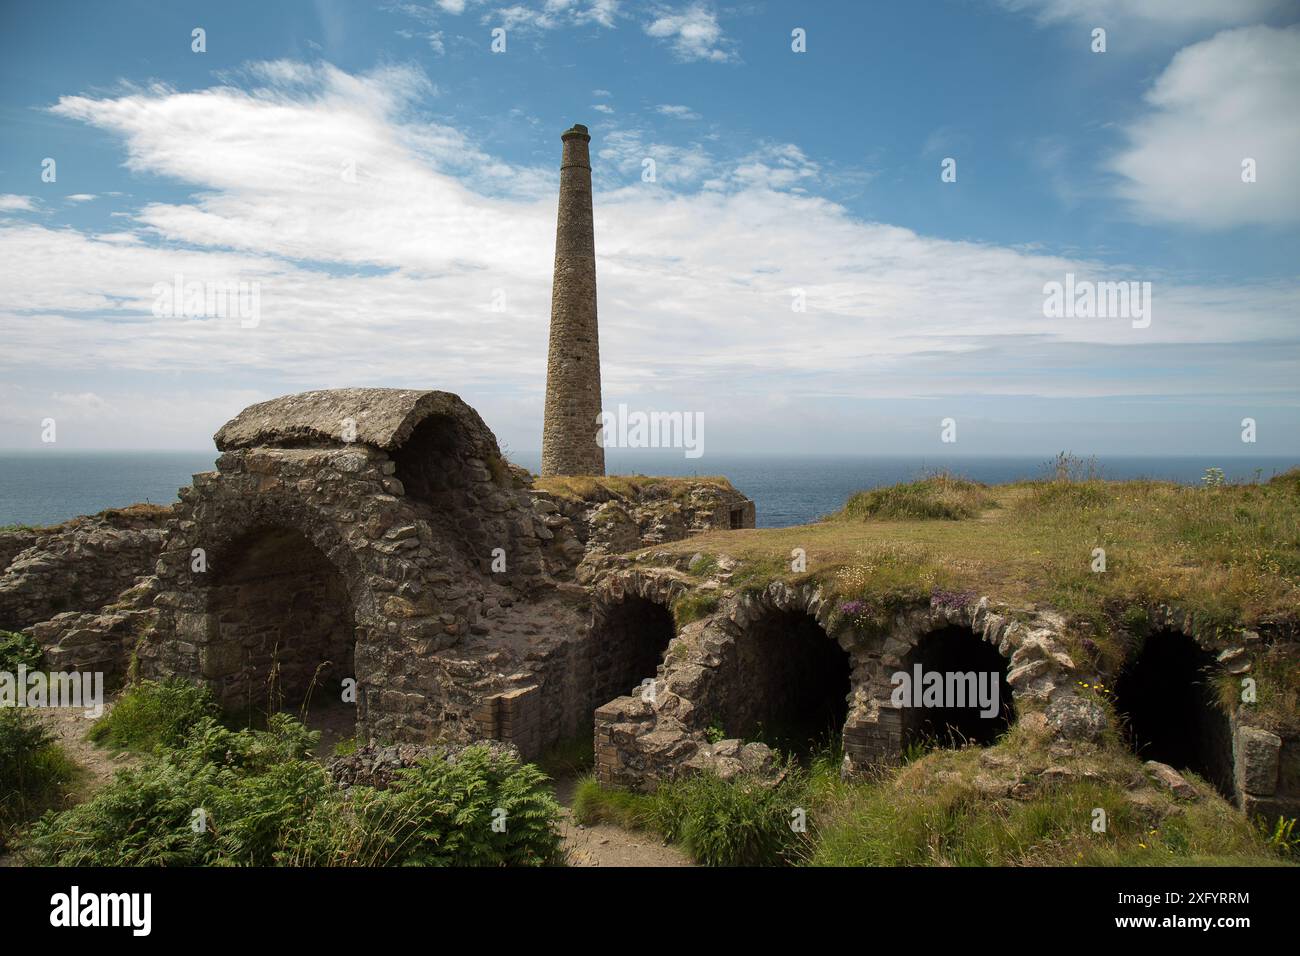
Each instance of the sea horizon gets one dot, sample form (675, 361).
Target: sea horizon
(787, 488)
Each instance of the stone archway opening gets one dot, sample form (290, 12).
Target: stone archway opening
(428, 462)
(1168, 708)
(282, 634)
(629, 646)
(953, 691)
(792, 685)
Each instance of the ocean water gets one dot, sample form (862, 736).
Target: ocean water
(46, 487)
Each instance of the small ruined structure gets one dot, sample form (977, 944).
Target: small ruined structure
(373, 545)
(569, 445)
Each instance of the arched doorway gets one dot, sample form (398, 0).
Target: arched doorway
(952, 690)
(630, 639)
(790, 685)
(1169, 711)
(281, 632)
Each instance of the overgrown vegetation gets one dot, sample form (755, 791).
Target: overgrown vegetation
(1229, 554)
(18, 650)
(949, 808)
(34, 771)
(151, 714)
(942, 496)
(742, 822)
(210, 795)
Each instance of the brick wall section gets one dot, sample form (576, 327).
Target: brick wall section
(573, 407)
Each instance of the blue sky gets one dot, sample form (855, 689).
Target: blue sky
(775, 171)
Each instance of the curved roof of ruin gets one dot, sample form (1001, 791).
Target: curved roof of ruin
(385, 418)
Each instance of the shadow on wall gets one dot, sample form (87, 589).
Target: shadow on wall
(1166, 700)
(791, 685)
(976, 706)
(280, 622)
(628, 647)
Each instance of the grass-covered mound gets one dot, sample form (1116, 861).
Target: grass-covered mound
(34, 772)
(941, 496)
(211, 795)
(153, 714)
(1227, 553)
(1014, 804)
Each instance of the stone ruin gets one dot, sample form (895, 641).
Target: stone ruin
(379, 536)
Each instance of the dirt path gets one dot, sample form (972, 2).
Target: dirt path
(605, 845)
(95, 765)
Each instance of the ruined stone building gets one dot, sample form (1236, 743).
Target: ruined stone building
(373, 545)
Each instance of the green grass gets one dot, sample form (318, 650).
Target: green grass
(1230, 555)
(692, 606)
(939, 811)
(34, 771)
(152, 714)
(941, 496)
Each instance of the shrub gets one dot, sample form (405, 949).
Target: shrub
(153, 714)
(257, 798)
(18, 650)
(33, 770)
(441, 813)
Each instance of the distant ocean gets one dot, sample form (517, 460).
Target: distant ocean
(47, 487)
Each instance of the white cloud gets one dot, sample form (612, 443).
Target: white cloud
(13, 203)
(1220, 101)
(1199, 13)
(677, 112)
(695, 34)
(601, 93)
(81, 197)
(695, 286)
(555, 13)
(602, 108)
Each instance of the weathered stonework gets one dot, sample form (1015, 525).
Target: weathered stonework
(569, 445)
(80, 565)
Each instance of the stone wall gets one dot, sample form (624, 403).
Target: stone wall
(80, 565)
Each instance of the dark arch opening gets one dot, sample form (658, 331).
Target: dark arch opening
(1167, 705)
(967, 700)
(281, 627)
(630, 645)
(791, 684)
(429, 461)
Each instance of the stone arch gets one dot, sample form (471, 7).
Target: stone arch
(630, 636)
(430, 460)
(953, 689)
(287, 608)
(791, 681)
(1165, 698)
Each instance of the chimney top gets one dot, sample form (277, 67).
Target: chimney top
(576, 130)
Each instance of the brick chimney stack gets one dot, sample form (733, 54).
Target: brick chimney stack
(569, 445)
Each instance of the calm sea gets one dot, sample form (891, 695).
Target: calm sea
(46, 487)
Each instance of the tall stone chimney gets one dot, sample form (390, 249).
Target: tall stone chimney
(569, 445)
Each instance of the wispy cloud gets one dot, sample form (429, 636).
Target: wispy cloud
(694, 34)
